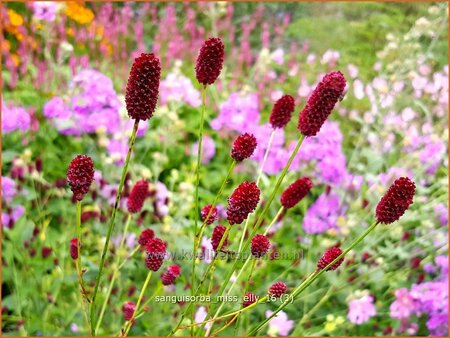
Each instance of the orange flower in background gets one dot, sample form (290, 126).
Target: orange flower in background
(15, 59)
(79, 13)
(15, 19)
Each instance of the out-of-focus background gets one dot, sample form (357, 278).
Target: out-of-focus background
(65, 66)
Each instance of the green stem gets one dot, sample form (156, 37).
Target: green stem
(312, 278)
(197, 183)
(141, 295)
(198, 235)
(210, 266)
(114, 276)
(257, 183)
(111, 222)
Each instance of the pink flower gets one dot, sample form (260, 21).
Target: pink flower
(361, 310)
(280, 324)
(404, 304)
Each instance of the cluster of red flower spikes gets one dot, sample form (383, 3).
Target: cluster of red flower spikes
(216, 237)
(391, 207)
(128, 310)
(209, 212)
(243, 147)
(210, 61)
(137, 196)
(80, 175)
(168, 277)
(143, 87)
(242, 202)
(156, 251)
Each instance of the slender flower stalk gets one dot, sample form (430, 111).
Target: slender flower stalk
(111, 223)
(266, 154)
(84, 293)
(114, 276)
(141, 295)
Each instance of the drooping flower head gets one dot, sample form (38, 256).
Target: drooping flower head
(321, 103)
(396, 200)
(243, 147)
(277, 289)
(330, 255)
(216, 237)
(137, 196)
(128, 310)
(168, 277)
(282, 112)
(249, 299)
(145, 236)
(156, 250)
(74, 248)
(242, 202)
(209, 61)
(260, 245)
(143, 87)
(212, 212)
(296, 192)
(80, 175)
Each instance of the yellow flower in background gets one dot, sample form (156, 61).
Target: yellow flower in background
(79, 13)
(333, 323)
(15, 59)
(69, 31)
(15, 18)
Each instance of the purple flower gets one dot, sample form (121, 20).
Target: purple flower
(404, 304)
(15, 118)
(432, 154)
(361, 310)
(208, 149)
(280, 325)
(200, 316)
(239, 113)
(178, 88)
(322, 215)
(441, 211)
(90, 103)
(8, 189)
(45, 10)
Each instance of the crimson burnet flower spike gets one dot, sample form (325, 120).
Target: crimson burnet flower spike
(74, 248)
(213, 214)
(296, 192)
(282, 112)
(210, 61)
(128, 310)
(156, 250)
(249, 299)
(242, 202)
(80, 176)
(330, 255)
(260, 245)
(169, 277)
(243, 147)
(277, 289)
(143, 87)
(396, 200)
(216, 237)
(137, 196)
(321, 103)
(145, 236)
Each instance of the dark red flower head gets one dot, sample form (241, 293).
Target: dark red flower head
(216, 237)
(209, 61)
(396, 200)
(330, 255)
(277, 289)
(156, 250)
(143, 87)
(128, 310)
(295, 192)
(242, 202)
(46, 251)
(80, 176)
(137, 196)
(74, 248)
(213, 214)
(243, 147)
(282, 111)
(168, 277)
(249, 299)
(260, 245)
(145, 236)
(321, 103)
